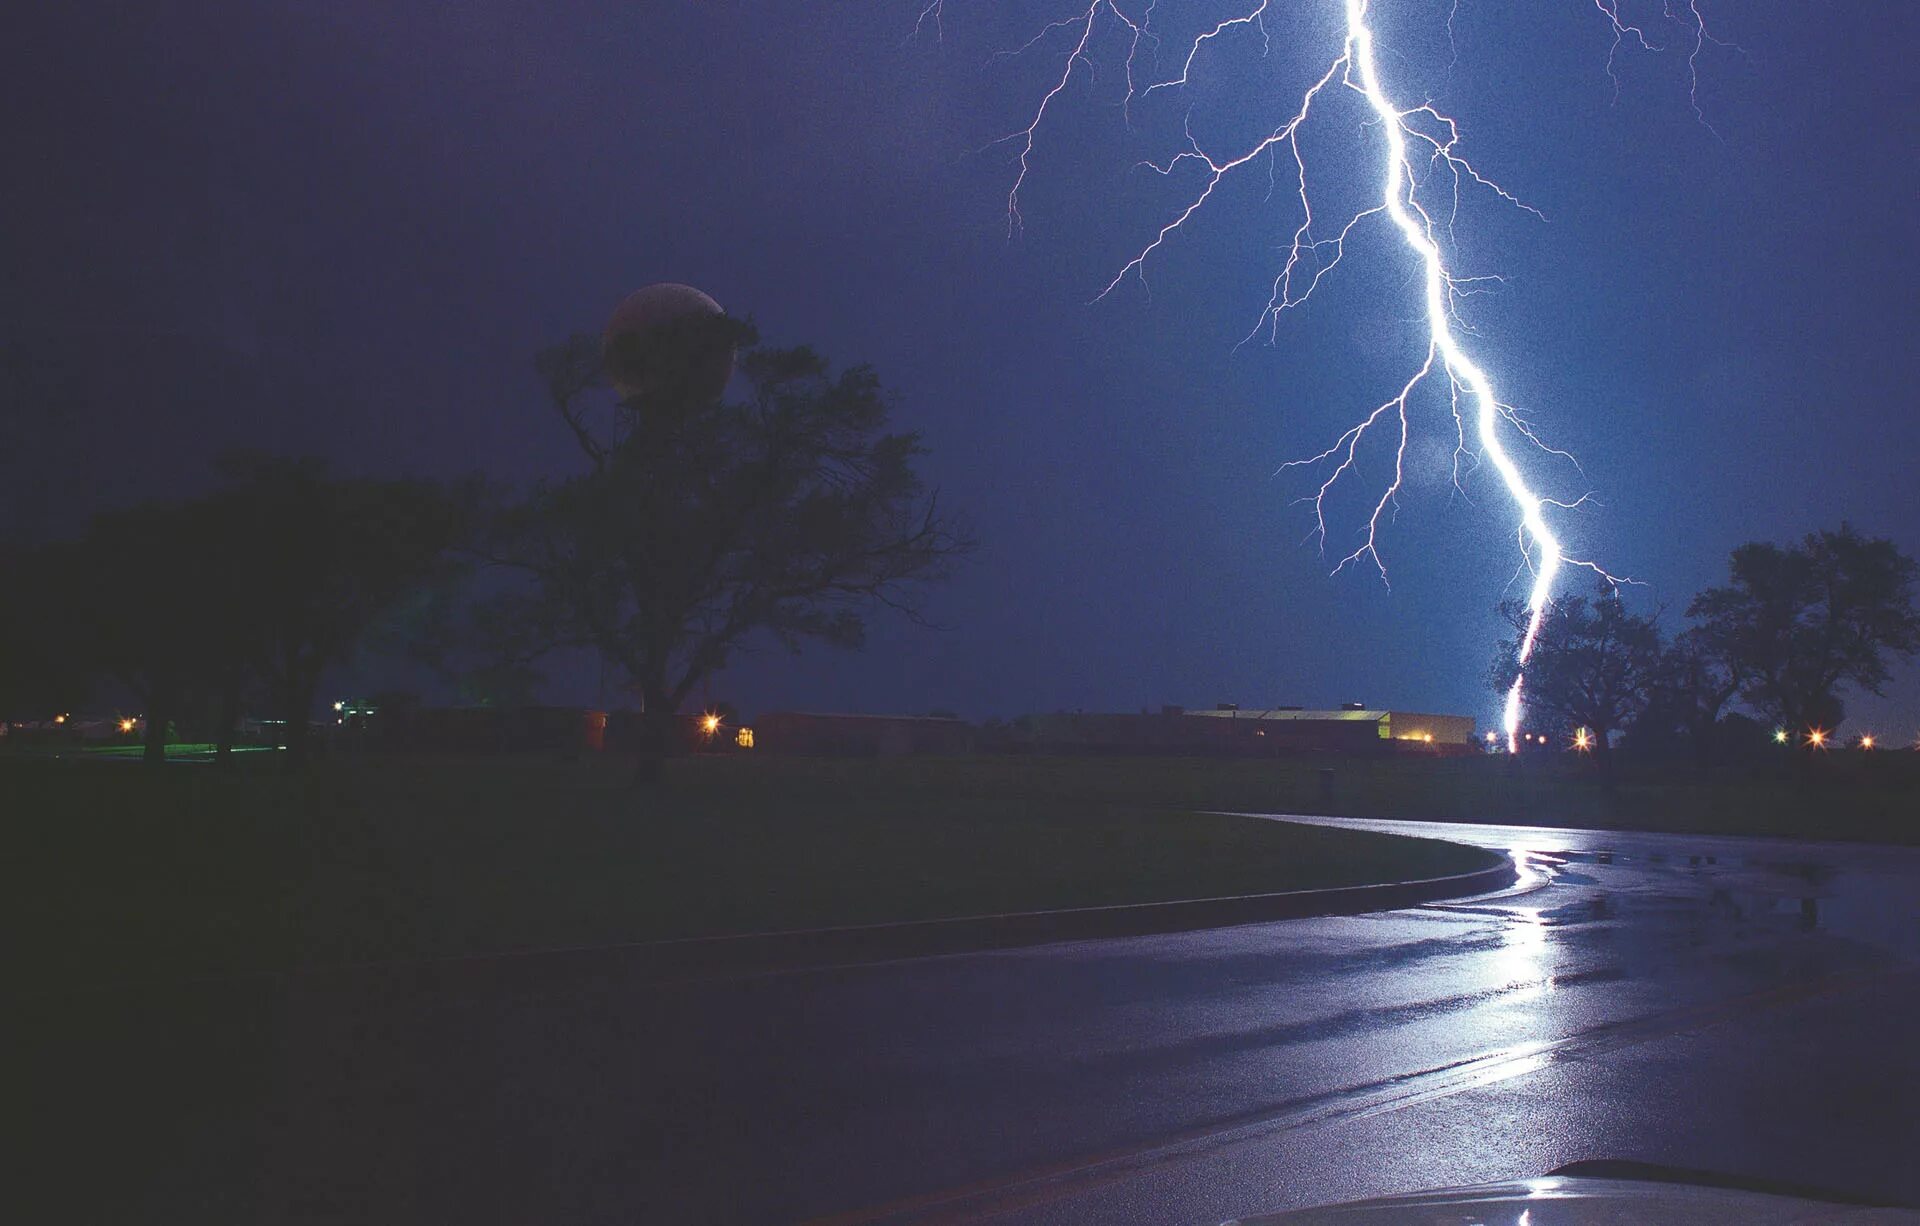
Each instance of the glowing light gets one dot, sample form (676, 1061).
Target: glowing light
(1866, 742)
(1582, 740)
(1463, 374)
(1493, 738)
(743, 738)
(59, 719)
(340, 706)
(126, 725)
(1427, 737)
(710, 723)
(1817, 737)
(1779, 736)
(1422, 179)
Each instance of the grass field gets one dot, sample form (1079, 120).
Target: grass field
(1846, 795)
(121, 871)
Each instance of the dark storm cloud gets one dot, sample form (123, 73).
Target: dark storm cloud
(345, 228)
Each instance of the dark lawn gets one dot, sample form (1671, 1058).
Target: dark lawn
(1849, 795)
(121, 871)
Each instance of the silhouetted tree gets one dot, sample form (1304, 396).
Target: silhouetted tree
(46, 664)
(269, 580)
(326, 556)
(698, 526)
(1801, 623)
(1699, 676)
(471, 638)
(1593, 666)
(147, 594)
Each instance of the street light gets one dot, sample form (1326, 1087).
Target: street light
(1582, 740)
(1866, 742)
(1817, 737)
(1779, 736)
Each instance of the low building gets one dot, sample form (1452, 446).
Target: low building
(1409, 728)
(833, 735)
(1230, 730)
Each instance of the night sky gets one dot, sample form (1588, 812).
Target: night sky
(343, 227)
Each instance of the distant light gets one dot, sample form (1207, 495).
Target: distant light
(59, 719)
(126, 725)
(1779, 736)
(1582, 740)
(743, 738)
(1493, 738)
(1427, 737)
(1866, 742)
(340, 706)
(710, 724)
(1817, 737)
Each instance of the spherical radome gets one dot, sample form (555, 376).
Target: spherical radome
(643, 356)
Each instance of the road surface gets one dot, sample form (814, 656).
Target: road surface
(1750, 1006)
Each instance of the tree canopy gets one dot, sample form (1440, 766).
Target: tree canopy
(265, 583)
(1803, 622)
(698, 526)
(1794, 628)
(1592, 666)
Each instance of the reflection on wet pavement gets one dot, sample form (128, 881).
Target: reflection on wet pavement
(1626, 994)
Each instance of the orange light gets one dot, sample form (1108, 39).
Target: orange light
(126, 725)
(59, 719)
(1866, 742)
(1817, 737)
(743, 738)
(1427, 737)
(710, 724)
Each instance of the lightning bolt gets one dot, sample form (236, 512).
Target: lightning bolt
(1423, 169)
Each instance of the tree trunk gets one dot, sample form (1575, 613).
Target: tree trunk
(159, 714)
(229, 717)
(1700, 734)
(1603, 758)
(658, 726)
(299, 707)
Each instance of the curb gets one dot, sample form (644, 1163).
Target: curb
(747, 953)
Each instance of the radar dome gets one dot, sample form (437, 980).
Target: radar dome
(659, 344)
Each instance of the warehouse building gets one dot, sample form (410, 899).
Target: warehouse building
(1231, 730)
(1405, 727)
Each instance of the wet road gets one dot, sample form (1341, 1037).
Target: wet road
(1745, 1005)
